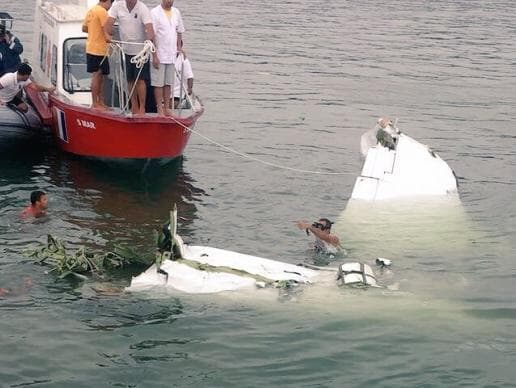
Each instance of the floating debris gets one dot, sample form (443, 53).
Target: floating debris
(67, 262)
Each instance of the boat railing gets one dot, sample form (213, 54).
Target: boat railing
(185, 99)
(120, 91)
(118, 62)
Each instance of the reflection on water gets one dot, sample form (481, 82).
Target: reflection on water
(91, 203)
(127, 197)
(94, 200)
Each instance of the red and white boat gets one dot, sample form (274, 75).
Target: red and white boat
(59, 59)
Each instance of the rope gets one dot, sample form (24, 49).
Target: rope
(233, 151)
(143, 56)
(139, 60)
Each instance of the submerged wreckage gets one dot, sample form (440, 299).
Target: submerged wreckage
(202, 270)
(395, 166)
(398, 166)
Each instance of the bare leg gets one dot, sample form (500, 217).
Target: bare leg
(141, 92)
(96, 81)
(166, 100)
(102, 102)
(134, 99)
(158, 95)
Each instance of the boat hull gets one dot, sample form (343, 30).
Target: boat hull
(87, 132)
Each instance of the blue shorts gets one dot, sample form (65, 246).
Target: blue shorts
(132, 71)
(95, 63)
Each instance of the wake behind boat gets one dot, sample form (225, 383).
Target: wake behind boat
(59, 59)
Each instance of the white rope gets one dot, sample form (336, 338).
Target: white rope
(139, 60)
(143, 56)
(119, 72)
(257, 159)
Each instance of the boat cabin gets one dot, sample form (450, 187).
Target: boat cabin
(59, 53)
(59, 59)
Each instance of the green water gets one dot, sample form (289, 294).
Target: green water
(295, 84)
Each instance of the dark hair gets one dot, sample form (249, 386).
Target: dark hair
(35, 196)
(327, 223)
(24, 69)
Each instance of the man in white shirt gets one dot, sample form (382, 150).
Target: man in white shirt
(184, 74)
(11, 85)
(168, 28)
(135, 26)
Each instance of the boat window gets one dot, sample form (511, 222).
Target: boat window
(75, 76)
(53, 72)
(42, 50)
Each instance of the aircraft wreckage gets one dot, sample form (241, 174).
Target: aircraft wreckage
(395, 166)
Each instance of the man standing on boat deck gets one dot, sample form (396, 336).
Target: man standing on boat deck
(183, 72)
(97, 61)
(11, 85)
(135, 25)
(10, 50)
(168, 29)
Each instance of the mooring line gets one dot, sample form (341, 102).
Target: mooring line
(246, 156)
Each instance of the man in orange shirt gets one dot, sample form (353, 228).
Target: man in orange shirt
(38, 205)
(96, 50)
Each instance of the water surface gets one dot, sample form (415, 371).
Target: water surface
(295, 84)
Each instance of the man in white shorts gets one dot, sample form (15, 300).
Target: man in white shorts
(168, 30)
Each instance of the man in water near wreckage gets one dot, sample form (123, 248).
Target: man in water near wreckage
(325, 241)
(38, 205)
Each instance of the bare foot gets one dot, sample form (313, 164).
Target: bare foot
(105, 106)
(167, 112)
(99, 107)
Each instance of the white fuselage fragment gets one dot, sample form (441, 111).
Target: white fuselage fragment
(228, 271)
(410, 169)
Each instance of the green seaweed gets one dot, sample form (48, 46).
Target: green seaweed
(76, 262)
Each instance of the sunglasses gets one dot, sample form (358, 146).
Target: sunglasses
(318, 225)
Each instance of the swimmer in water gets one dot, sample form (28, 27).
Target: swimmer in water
(325, 241)
(38, 205)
